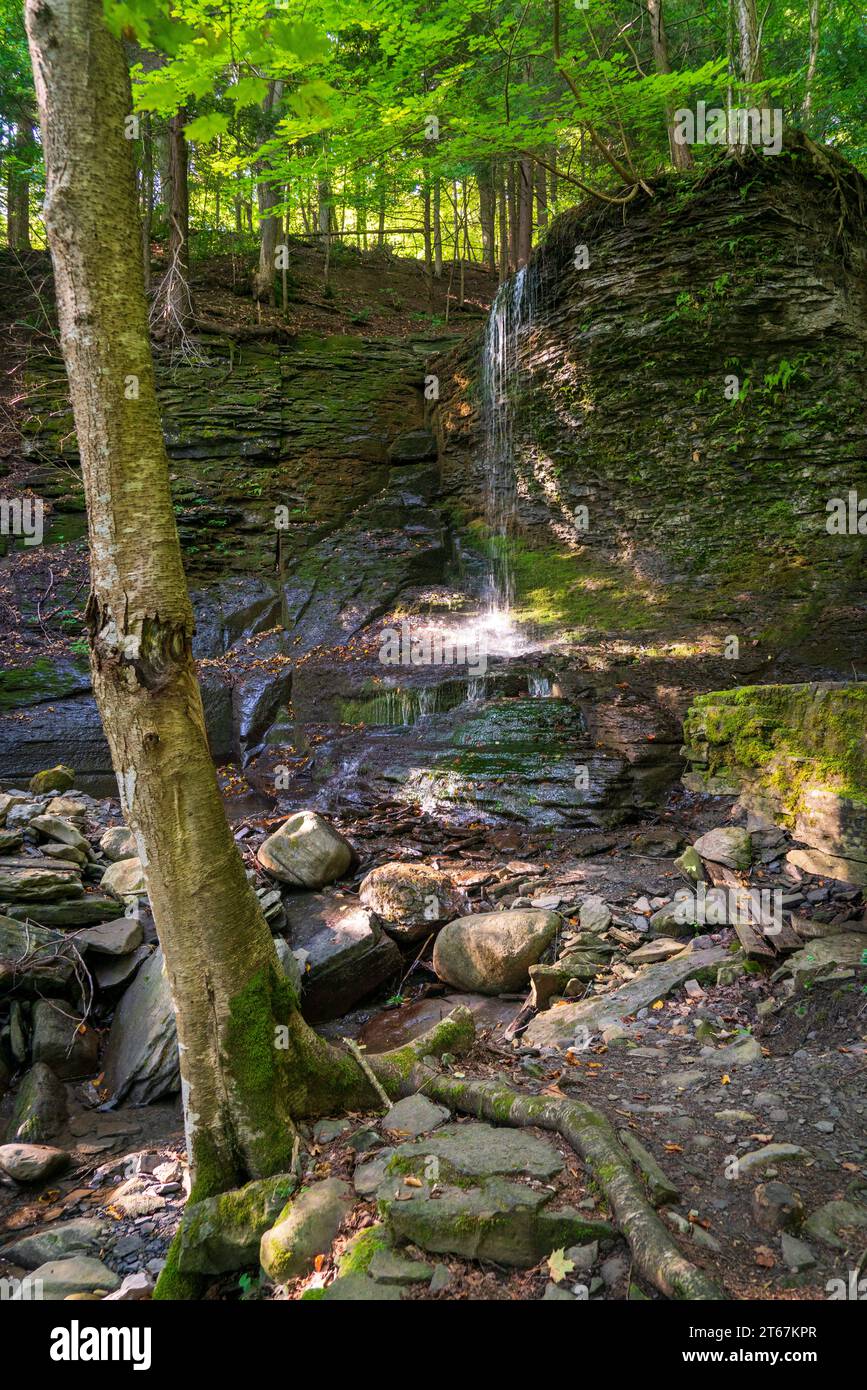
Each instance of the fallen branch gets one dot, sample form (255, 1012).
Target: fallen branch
(654, 1252)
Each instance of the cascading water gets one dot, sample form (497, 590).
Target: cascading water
(511, 314)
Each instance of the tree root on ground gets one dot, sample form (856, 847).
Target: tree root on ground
(589, 1133)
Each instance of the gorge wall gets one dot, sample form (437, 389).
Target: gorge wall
(705, 513)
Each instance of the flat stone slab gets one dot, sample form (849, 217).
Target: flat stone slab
(344, 952)
(479, 1150)
(500, 1221)
(413, 1116)
(79, 1274)
(557, 1027)
(83, 1236)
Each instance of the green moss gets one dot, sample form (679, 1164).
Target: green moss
(361, 1249)
(783, 738)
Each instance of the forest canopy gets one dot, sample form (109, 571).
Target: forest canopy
(452, 131)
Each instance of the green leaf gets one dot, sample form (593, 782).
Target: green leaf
(205, 128)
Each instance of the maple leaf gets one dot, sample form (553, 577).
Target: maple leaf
(559, 1266)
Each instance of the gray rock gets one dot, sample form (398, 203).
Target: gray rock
(125, 878)
(839, 1224)
(40, 1107)
(118, 843)
(369, 1175)
(776, 1207)
(359, 1288)
(797, 1253)
(32, 1162)
(134, 1288)
(117, 938)
(412, 1116)
(305, 1229)
(83, 1236)
(727, 844)
(500, 1221)
(141, 1060)
(555, 1294)
(558, 1027)
(346, 955)
(410, 899)
(595, 914)
(78, 1274)
(388, 1268)
(476, 1150)
(491, 952)
(56, 828)
(62, 1041)
(222, 1233)
(413, 446)
(307, 852)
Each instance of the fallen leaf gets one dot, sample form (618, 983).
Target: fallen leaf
(559, 1266)
(765, 1257)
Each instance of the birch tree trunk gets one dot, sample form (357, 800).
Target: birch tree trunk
(813, 59)
(173, 307)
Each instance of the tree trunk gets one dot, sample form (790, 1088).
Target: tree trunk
(504, 225)
(512, 184)
(748, 41)
(485, 181)
(525, 210)
(541, 196)
(241, 1083)
(813, 59)
(147, 198)
(18, 190)
(269, 223)
(437, 230)
(173, 308)
(681, 155)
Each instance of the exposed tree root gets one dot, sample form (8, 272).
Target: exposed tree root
(654, 1252)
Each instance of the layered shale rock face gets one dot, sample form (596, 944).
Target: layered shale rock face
(700, 501)
(302, 479)
(798, 752)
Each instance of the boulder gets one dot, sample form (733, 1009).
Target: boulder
(344, 952)
(68, 808)
(117, 938)
(410, 899)
(31, 1163)
(595, 914)
(40, 1107)
(125, 878)
(63, 1042)
(10, 799)
(491, 952)
(57, 828)
(141, 1060)
(60, 1279)
(412, 1116)
(497, 1220)
(222, 1233)
(307, 852)
(118, 843)
(477, 1150)
(83, 1236)
(305, 1229)
(727, 844)
(413, 446)
(826, 954)
(53, 779)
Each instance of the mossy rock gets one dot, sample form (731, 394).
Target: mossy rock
(53, 779)
(222, 1233)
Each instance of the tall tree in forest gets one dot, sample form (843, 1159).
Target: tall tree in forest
(249, 1063)
(681, 155)
(18, 187)
(172, 315)
(268, 196)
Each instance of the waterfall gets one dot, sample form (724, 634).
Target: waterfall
(511, 312)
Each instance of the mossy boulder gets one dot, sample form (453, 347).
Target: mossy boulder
(306, 1228)
(53, 779)
(491, 952)
(222, 1233)
(40, 1108)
